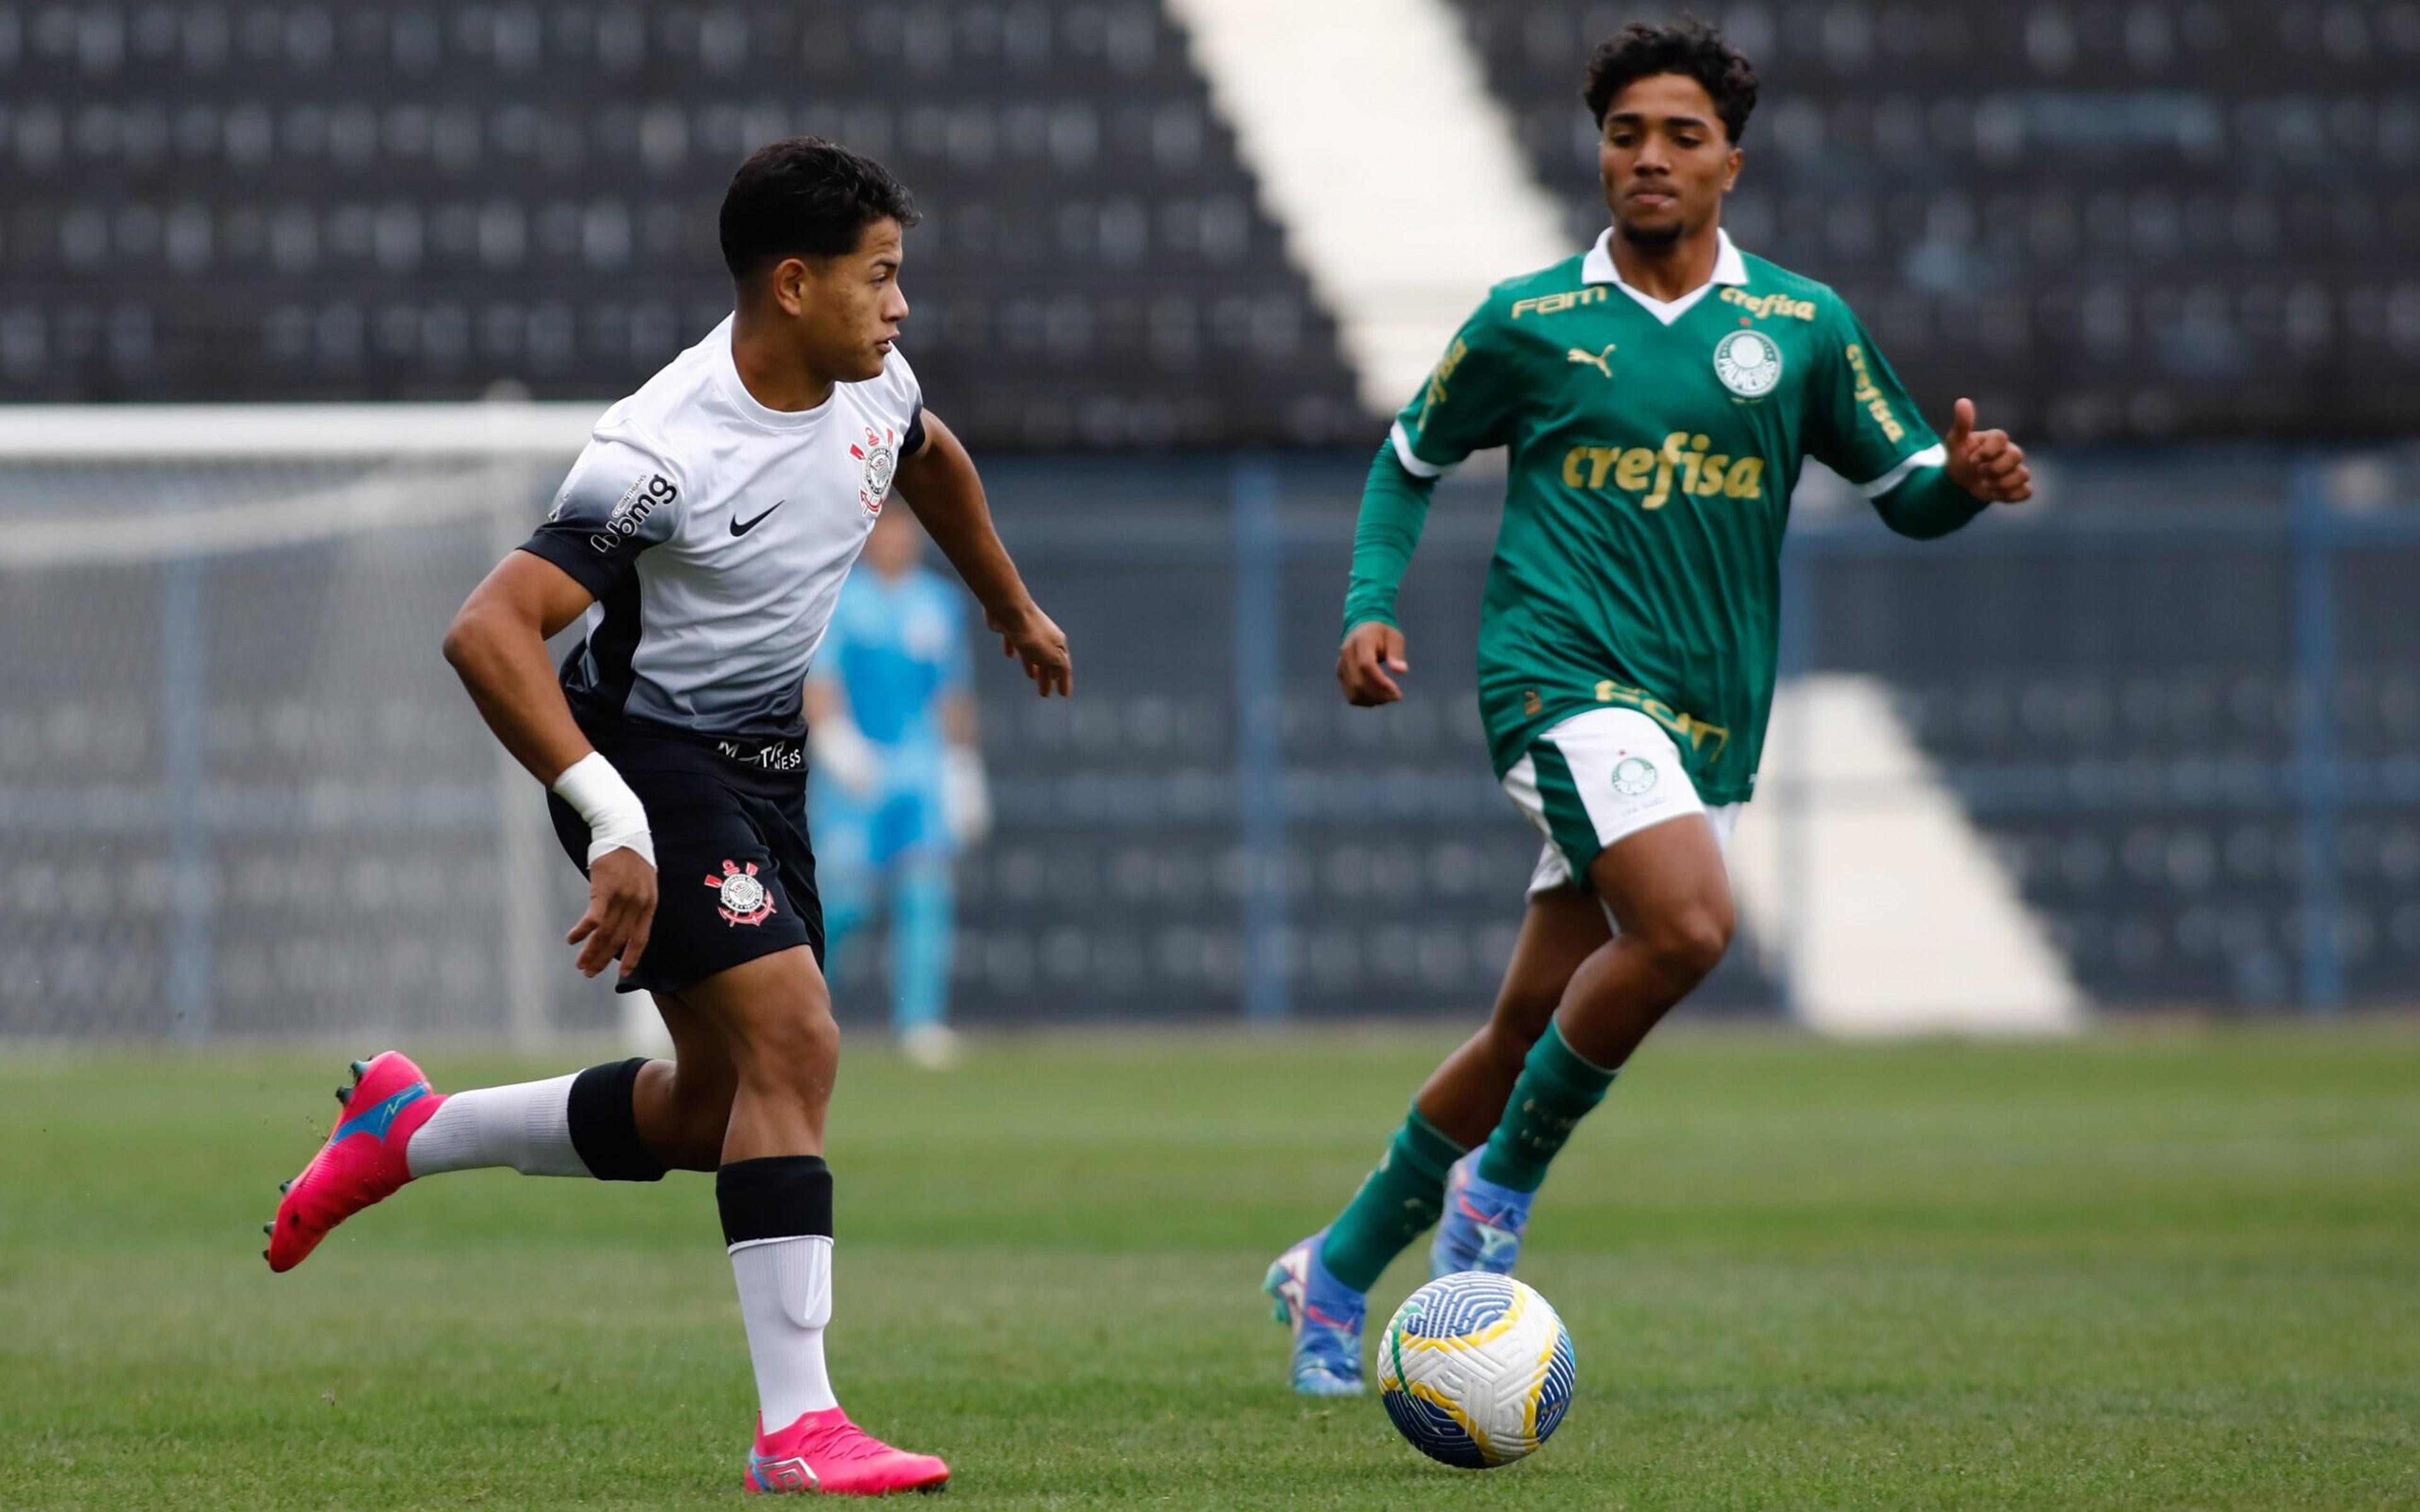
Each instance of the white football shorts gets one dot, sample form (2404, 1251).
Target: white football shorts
(1599, 777)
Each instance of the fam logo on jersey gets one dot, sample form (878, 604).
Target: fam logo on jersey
(1633, 776)
(880, 455)
(743, 899)
(1547, 305)
(1749, 364)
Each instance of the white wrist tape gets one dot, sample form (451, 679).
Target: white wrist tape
(617, 819)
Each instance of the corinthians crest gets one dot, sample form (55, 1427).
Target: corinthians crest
(743, 899)
(880, 455)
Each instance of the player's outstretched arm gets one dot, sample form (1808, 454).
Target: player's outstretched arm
(497, 645)
(1394, 506)
(941, 485)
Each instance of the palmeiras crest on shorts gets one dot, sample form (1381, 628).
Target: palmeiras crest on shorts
(1749, 364)
(742, 898)
(880, 455)
(1632, 776)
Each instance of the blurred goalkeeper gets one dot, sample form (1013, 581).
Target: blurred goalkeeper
(1656, 394)
(897, 783)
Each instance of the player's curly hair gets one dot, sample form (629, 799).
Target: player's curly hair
(1686, 46)
(805, 197)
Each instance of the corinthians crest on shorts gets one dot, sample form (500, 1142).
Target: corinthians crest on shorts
(880, 455)
(742, 900)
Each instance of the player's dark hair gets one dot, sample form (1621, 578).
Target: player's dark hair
(805, 197)
(1688, 47)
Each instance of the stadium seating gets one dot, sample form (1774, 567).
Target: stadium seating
(1114, 886)
(2177, 218)
(2126, 727)
(1392, 911)
(2170, 218)
(243, 775)
(312, 201)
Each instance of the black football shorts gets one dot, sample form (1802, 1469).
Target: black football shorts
(734, 872)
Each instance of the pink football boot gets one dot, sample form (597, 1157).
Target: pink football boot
(361, 1162)
(826, 1452)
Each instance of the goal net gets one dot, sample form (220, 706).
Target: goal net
(240, 792)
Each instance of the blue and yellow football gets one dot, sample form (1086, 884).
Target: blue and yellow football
(1476, 1369)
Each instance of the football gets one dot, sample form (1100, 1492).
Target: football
(1476, 1369)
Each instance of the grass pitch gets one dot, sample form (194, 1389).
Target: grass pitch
(2137, 1271)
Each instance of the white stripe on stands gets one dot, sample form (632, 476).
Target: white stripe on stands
(1397, 178)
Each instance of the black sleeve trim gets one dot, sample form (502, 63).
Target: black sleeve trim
(596, 573)
(913, 441)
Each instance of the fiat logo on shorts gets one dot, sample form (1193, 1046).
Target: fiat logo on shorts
(742, 898)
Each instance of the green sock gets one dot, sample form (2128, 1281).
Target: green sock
(1556, 1090)
(1395, 1206)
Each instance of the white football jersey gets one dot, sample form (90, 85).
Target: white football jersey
(715, 534)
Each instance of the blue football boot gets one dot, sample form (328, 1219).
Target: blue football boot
(1325, 1316)
(1481, 1227)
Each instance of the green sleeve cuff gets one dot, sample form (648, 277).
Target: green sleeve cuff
(1394, 506)
(1927, 505)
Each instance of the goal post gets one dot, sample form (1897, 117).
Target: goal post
(240, 794)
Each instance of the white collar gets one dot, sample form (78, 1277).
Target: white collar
(1729, 268)
(735, 388)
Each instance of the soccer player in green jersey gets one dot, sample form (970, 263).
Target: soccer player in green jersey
(1657, 395)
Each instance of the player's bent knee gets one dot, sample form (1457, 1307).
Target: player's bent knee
(1515, 1030)
(701, 1110)
(1689, 942)
(794, 1043)
(684, 1112)
(775, 1018)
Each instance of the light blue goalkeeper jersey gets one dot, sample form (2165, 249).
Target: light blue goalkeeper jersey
(895, 649)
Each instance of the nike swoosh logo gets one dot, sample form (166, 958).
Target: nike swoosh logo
(742, 526)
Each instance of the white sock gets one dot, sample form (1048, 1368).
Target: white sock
(526, 1126)
(786, 1300)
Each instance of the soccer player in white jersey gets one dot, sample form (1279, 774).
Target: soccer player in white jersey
(705, 533)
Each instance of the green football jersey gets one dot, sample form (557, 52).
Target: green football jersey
(1652, 451)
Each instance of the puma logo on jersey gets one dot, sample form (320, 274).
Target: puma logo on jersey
(1596, 360)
